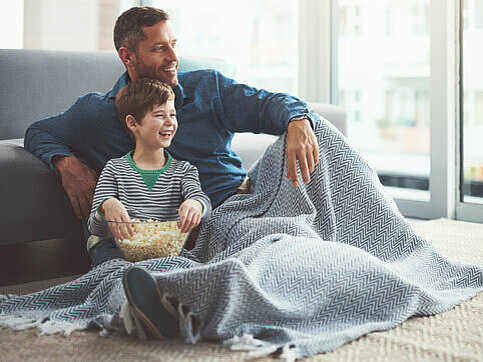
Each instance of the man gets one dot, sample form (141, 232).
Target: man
(210, 108)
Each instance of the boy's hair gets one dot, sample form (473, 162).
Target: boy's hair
(128, 28)
(140, 97)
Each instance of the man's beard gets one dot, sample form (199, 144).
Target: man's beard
(144, 72)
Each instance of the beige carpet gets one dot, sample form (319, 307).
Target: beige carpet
(456, 335)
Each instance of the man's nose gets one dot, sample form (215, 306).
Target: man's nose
(172, 56)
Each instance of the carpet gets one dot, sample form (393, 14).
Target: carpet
(455, 335)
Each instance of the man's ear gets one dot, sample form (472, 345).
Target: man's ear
(127, 56)
(131, 123)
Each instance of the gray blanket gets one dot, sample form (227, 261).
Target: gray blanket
(292, 270)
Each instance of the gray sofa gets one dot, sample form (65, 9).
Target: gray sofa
(36, 84)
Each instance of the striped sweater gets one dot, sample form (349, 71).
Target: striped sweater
(146, 194)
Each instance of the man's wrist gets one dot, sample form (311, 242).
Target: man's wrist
(59, 162)
(297, 121)
(299, 118)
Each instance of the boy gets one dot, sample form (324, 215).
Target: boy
(146, 183)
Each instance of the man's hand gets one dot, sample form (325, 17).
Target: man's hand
(79, 182)
(301, 146)
(189, 215)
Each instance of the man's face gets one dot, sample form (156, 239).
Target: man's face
(155, 56)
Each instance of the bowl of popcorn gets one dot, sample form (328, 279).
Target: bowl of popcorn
(151, 239)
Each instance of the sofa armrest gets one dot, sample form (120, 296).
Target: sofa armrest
(334, 114)
(35, 206)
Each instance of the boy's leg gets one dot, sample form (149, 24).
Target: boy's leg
(104, 249)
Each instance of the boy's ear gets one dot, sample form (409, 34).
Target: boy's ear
(131, 123)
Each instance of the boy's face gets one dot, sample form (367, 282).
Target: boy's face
(157, 128)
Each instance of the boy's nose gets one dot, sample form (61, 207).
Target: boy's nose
(168, 121)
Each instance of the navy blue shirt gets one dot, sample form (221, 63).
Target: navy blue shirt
(210, 109)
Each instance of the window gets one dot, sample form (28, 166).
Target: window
(258, 36)
(383, 69)
(421, 109)
(60, 25)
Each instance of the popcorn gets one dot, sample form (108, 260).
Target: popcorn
(152, 239)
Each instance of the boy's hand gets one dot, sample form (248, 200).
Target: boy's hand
(189, 215)
(114, 210)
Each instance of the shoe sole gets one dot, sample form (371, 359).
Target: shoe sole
(144, 296)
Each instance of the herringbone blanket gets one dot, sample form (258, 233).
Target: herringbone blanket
(295, 270)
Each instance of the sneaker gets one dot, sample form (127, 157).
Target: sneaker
(146, 300)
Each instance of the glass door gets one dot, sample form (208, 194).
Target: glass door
(470, 206)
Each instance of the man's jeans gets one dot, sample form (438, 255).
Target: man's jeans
(104, 250)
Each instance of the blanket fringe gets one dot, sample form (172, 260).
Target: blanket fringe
(4, 297)
(257, 348)
(44, 326)
(131, 322)
(190, 332)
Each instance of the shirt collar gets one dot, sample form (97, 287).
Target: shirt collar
(179, 95)
(124, 79)
(121, 82)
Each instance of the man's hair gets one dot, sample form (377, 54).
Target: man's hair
(140, 97)
(128, 28)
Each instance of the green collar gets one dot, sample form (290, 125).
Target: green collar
(149, 176)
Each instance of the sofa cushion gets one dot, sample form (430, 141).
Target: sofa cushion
(37, 84)
(40, 83)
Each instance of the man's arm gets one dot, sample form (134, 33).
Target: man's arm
(79, 182)
(51, 140)
(246, 109)
(249, 109)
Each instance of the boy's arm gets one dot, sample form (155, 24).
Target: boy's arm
(106, 188)
(191, 189)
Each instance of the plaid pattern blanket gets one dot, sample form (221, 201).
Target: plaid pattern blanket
(297, 271)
